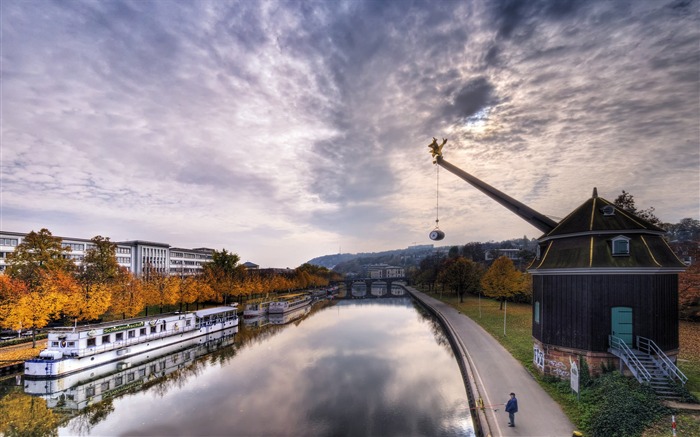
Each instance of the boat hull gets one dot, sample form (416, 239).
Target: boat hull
(50, 368)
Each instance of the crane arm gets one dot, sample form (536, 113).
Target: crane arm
(536, 219)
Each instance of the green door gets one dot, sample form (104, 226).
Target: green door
(622, 324)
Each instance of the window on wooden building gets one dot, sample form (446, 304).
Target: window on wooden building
(620, 246)
(537, 312)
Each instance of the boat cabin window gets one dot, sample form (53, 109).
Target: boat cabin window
(71, 344)
(54, 344)
(119, 336)
(105, 386)
(132, 333)
(142, 372)
(153, 330)
(142, 331)
(130, 377)
(106, 339)
(90, 391)
(91, 342)
(153, 368)
(119, 380)
(162, 327)
(188, 322)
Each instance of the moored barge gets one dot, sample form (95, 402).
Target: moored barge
(78, 348)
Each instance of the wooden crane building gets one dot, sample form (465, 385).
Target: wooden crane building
(605, 286)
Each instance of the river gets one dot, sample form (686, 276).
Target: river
(370, 367)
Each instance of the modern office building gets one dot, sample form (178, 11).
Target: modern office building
(137, 256)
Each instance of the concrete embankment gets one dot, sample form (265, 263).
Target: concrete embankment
(491, 374)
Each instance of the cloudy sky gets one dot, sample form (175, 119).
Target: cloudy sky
(286, 130)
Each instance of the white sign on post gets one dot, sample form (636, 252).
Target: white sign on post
(574, 375)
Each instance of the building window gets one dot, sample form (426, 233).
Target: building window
(620, 246)
(537, 312)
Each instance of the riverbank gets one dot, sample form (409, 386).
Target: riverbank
(496, 373)
(518, 342)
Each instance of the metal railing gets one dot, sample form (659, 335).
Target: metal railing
(666, 365)
(619, 347)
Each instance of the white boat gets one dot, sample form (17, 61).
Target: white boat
(289, 316)
(75, 349)
(81, 389)
(256, 308)
(289, 303)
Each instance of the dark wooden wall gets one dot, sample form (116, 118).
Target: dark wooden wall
(575, 310)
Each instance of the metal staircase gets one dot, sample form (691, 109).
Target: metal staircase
(649, 365)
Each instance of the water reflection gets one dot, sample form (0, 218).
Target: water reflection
(353, 367)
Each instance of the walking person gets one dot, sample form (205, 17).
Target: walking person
(511, 409)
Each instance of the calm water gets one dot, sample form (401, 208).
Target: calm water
(377, 367)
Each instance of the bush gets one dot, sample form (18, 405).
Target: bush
(617, 406)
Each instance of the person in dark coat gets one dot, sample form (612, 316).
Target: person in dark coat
(511, 409)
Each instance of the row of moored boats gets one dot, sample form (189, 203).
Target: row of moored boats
(75, 349)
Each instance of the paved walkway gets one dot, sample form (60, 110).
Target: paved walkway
(496, 373)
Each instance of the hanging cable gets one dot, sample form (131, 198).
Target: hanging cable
(436, 233)
(437, 196)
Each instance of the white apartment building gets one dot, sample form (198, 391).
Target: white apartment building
(384, 271)
(513, 254)
(136, 256)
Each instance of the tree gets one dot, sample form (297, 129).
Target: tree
(100, 264)
(501, 280)
(188, 291)
(128, 294)
(428, 271)
(473, 251)
(224, 274)
(97, 276)
(462, 275)
(35, 308)
(38, 252)
(11, 290)
(626, 202)
(159, 288)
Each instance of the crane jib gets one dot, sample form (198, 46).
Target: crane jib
(536, 219)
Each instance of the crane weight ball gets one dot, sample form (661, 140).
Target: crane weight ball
(437, 235)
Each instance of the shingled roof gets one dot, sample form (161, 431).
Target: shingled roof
(584, 240)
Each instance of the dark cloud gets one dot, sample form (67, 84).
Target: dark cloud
(469, 100)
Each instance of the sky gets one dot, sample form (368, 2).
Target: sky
(288, 130)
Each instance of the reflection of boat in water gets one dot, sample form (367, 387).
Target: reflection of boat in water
(289, 302)
(257, 321)
(289, 316)
(256, 308)
(76, 391)
(74, 349)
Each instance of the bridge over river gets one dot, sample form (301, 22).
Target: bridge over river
(360, 288)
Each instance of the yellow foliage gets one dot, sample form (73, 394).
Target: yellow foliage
(25, 415)
(127, 295)
(88, 302)
(502, 280)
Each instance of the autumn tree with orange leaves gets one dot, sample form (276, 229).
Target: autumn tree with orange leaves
(502, 280)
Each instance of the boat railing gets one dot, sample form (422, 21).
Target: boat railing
(120, 344)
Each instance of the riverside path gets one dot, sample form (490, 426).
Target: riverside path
(496, 374)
